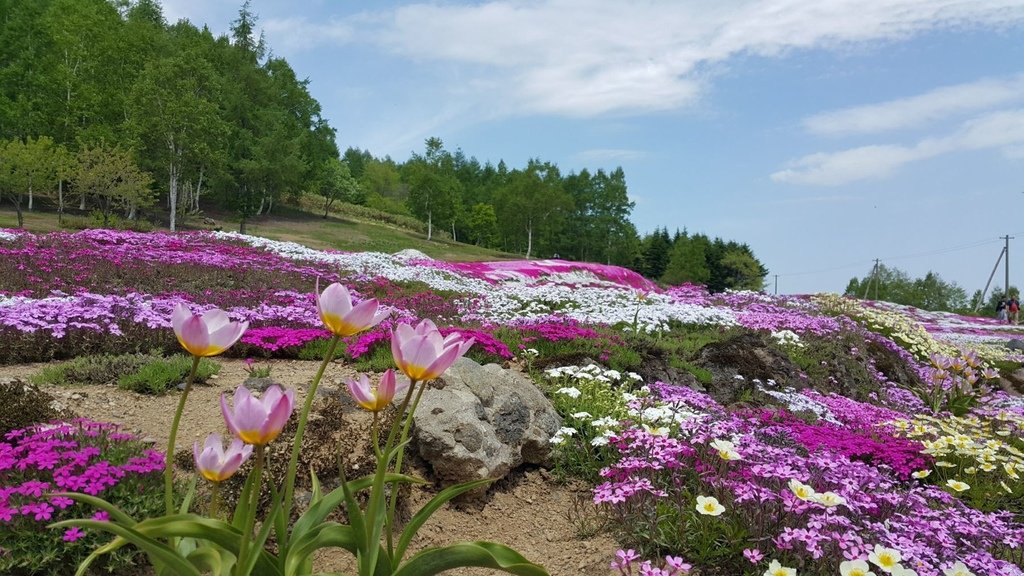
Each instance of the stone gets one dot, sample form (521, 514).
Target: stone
(258, 384)
(1015, 344)
(481, 422)
(747, 356)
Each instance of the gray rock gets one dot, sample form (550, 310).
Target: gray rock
(1015, 344)
(258, 384)
(483, 422)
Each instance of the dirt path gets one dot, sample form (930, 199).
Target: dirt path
(529, 512)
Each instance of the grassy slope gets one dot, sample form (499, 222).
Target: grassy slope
(336, 232)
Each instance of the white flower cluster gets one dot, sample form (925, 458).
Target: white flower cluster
(797, 402)
(5, 235)
(369, 264)
(787, 338)
(563, 434)
(589, 372)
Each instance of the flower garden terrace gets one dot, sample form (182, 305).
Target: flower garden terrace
(890, 443)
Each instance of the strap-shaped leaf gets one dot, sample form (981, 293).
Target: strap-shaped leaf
(208, 560)
(261, 539)
(428, 509)
(477, 554)
(157, 550)
(327, 534)
(116, 514)
(319, 510)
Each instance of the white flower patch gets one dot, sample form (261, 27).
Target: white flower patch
(581, 415)
(787, 338)
(570, 391)
(5, 235)
(797, 402)
(370, 264)
(563, 434)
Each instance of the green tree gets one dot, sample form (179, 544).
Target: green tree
(482, 224)
(655, 248)
(176, 119)
(742, 270)
(532, 205)
(336, 183)
(26, 167)
(687, 263)
(930, 292)
(433, 189)
(111, 175)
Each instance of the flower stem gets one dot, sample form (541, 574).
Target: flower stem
(250, 513)
(215, 501)
(293, 463)
(393, 497)
(169, 457)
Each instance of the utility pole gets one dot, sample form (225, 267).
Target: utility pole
(977, 305)
(872, 278)
(1006, 251)
(776, 284)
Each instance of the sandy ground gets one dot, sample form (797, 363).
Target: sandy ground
(530, 511)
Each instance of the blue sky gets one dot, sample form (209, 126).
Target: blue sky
(823, 133)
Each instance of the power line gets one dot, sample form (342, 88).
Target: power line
(936, 252)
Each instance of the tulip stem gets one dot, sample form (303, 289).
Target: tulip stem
(393, 497)
(293, 463)
(250, 513)
(169, 456)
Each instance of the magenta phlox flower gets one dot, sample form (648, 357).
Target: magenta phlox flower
(73, 533)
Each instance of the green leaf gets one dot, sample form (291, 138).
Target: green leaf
(318, 511)
(261, 539)
(478, 554)
(241, 509)
(327, 534)
(424, 513)
(159, 551)
(190, 494)
(116, 515)
(207, 558)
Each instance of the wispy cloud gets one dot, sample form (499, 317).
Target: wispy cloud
(609, 155)
(916, 111)
(997, 130)
(594, 57)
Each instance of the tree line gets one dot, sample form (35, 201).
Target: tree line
(929, 292)
(106, 107)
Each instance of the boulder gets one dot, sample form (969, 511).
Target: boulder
(1015, 344)
(483, 422)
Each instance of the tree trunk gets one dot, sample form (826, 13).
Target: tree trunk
(172, 187)
(60, 202)
(241, 226)
(454, 239)
(17, 208)
(270, 204)
(30, 197)
(199, 187)
(131, 211)
(529, 239)
(81, 205)
(260, 209)
(430, 225)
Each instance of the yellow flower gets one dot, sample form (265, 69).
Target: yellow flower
(829, 499)
(921, 474)
(709, 506)
(885, 558)
(970, 470)
(958, 485)
(776, 569)
(1011, 470)
(855, 568)
(801, 490)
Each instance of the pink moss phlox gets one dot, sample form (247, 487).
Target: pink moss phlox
(274, 338)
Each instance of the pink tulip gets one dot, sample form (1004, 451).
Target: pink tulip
(341, 317)
(217, 464)
(206, 335)
(422, 353)
(258, 420)
(377, 398)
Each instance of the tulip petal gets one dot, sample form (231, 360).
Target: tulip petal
(229, 418)
(226, 336)
(193, 336)
(442, 363)
(215, 319)
(179, 316)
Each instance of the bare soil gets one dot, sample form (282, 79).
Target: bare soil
(530, 511)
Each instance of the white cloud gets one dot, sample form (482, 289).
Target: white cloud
(594, 57)
(1002, 129)
(921, 110)
(609, 154)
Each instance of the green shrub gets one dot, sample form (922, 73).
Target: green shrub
(157, 376)
(97, 369)
(95, 220)
(317, 349)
